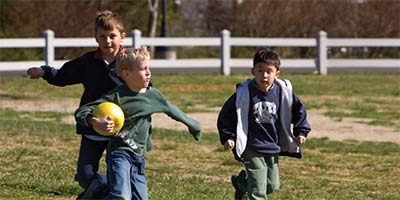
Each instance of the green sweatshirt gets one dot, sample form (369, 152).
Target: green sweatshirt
(135, 135)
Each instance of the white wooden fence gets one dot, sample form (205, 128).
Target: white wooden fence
(225, 63)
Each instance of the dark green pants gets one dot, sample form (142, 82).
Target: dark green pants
(262, 175)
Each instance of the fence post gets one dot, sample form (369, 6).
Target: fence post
(322, 59)
(225, 52)
(136, 35)
(49, 47)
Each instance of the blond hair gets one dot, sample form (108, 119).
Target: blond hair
(108, 20)
(127, 58)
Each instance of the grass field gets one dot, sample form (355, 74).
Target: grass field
(38, 153)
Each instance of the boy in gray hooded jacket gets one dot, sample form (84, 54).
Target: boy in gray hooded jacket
(255, 124)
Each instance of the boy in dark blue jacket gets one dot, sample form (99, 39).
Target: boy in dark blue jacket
(255, 124)
(96, 71)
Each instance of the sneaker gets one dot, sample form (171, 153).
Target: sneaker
(239, 195)
(89, 192)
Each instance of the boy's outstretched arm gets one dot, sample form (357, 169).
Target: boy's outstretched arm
(178, 115)
(70, 73)
(195, 129)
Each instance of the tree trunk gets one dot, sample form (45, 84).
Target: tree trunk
(152, 23)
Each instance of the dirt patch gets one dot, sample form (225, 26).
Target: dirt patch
(349, 129)
(67, 105)
(322, 126)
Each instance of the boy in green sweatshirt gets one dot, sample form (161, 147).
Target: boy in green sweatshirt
(125, 153)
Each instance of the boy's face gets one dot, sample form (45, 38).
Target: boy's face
(109, 41)
(139, 76)
(265, 74)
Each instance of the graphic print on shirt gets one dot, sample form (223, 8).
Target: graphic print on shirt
(263, 112)
(124, 134)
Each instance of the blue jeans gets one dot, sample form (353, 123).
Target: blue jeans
(126, 177)
(90, 154)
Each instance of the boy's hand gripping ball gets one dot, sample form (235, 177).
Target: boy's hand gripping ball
(113, 110)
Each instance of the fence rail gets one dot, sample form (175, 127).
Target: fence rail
(225, 42)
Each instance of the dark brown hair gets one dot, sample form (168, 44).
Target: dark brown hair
(267, 56)
(108, 20)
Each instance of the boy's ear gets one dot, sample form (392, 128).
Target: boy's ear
(123, 74)
(252, 71)
(277, 73)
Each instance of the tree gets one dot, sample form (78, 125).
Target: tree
(293, 18)
(67, 18)
(152, 21)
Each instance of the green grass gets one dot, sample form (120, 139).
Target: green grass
(38, 162)
(38, 153)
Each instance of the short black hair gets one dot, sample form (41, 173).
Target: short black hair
(267, 56)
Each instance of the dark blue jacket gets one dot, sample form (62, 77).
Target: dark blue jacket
(291, 111)
(92, 72)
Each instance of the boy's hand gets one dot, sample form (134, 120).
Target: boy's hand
(196, 134)
(195, 130)
(35, 72)
(229, 144)
(301, 139)
(104, 123)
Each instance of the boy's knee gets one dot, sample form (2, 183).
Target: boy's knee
(84, 177)
(83, 180)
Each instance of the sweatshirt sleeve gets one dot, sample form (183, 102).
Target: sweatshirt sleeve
(70, 73)
(300, 123)
(86, 110)
(178, 115)
(227, 120)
